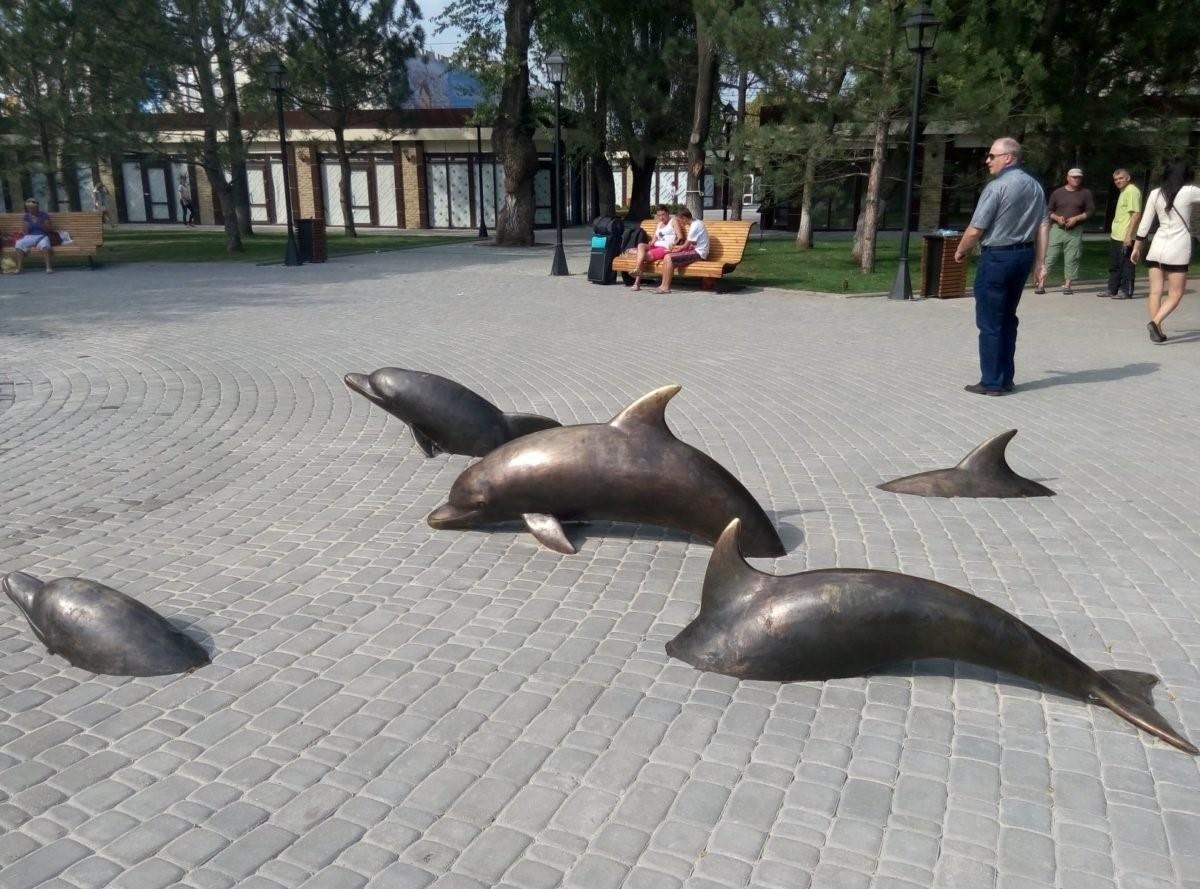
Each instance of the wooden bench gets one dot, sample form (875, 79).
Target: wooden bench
(726, 244)
(85, 228)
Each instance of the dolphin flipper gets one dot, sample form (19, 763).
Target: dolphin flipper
(424, 442)
(523, 424)
(1129, 694)
(547, 530)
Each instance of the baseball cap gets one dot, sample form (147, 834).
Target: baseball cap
(1075, 171)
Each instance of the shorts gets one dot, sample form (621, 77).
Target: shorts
(25, 243)
(1166, 266)
(683, 257)
(654, 254)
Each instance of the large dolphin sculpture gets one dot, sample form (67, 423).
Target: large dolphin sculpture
(445, 417)
(842, 622)
(99, 629)
(982, 473)
(631, 469)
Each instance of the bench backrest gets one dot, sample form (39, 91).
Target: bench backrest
(86, 227)
(727, 238)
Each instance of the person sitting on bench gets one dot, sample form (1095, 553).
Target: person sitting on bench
(695, 247)
(35, 228)
(667, 233)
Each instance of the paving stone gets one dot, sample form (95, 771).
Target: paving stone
(391, 705)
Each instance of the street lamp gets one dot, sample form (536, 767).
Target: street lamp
(277, 82)
(483, 232)
(728, 119)
(921, 29)
(556, 69)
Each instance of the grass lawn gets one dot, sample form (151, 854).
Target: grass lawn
(203, 245)
(828, 268)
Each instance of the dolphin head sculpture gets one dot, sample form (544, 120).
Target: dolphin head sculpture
(22, 589)
(471, 502)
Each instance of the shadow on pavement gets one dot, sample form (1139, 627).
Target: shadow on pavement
(1099, 375)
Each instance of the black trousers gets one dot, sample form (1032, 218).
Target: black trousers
(1120, 269)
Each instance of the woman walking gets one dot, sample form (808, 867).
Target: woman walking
(1171, 205)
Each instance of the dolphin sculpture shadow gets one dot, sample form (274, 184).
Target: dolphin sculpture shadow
(841, 622)
(445, 417)
(982, 473)
(631, 469)
(99, 629)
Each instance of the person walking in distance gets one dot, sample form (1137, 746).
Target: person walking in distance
(187, 212)
(1008, 224)
(1174, 205)
(1124, 227)
(1070, 205)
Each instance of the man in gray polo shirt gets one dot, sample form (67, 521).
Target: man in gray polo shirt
(1008, 223)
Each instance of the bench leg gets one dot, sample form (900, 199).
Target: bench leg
(627, 279)
(708, 284)
(91, 262)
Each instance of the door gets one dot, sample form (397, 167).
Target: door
(159, 194)
(260, 202)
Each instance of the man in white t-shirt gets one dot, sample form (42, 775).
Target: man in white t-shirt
(695, 247)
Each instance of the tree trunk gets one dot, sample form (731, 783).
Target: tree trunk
(639, 198)
(735, 171)
(870, 214)
(234, 140)
(512, 135)
(804, 234)
(211, 154)
(706, 77)
(347, 193)
(602, 178)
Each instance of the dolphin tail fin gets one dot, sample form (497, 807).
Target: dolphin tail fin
(424, 442)
(1128, 694)
(523, 424)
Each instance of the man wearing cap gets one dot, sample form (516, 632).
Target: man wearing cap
(1070, 205)
(1008, 223)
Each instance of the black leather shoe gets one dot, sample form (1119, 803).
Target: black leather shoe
(978, 389)
(1156, 334)
(1008, 388)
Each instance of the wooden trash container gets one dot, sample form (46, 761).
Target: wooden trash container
(941, 276)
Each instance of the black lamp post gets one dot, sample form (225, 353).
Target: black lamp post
(277, 82)
(556, 68)
(728, 118)
(921, 29)
(483, 232)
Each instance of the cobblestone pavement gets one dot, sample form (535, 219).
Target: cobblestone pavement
(399, 707)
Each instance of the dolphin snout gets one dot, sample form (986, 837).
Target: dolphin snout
(21, 588)
(449, 517)
(361, 383)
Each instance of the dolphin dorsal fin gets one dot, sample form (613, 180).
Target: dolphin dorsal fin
(729, 575)
(990, 453)
(649, 410)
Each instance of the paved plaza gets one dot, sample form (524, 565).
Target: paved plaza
(398, 707)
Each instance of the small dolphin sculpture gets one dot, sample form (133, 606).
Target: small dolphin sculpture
(843, 622)
(101, 630)
(631, 469)
(444, 416)
(982, 473)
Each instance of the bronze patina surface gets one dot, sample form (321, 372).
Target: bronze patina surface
(842, 622)
(445, 417)
(631, 469)
(99, 629)
(982, 473)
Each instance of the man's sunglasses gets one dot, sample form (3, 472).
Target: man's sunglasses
(992, 157)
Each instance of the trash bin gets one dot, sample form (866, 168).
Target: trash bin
(606, 244)
(311, 236)
(941, 276)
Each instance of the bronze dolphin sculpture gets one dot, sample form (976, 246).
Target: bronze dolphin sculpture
(841, 622)
(99, 629)
(982, 473)
(445, 417)
(631, 469)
